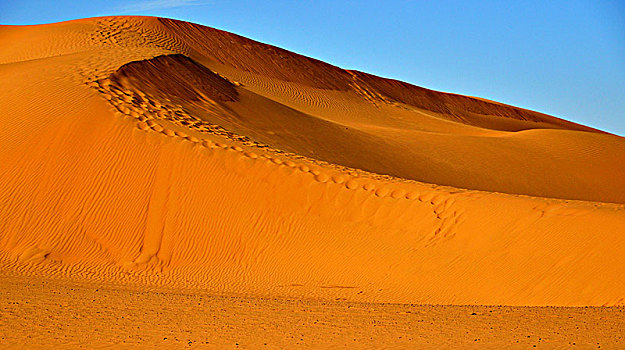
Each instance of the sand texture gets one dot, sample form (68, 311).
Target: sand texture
(156, 153)
(57, 314)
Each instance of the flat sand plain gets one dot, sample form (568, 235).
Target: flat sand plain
(48, 313)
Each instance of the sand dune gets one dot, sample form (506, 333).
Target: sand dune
(157, 152)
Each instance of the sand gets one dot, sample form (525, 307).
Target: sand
(61, 314)
(155, 153)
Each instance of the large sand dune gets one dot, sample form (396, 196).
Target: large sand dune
(153, 151)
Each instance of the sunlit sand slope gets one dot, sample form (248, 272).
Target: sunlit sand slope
(143, 150)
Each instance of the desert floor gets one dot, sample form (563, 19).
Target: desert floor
(39, 312)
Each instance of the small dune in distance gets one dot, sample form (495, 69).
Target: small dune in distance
(191, 173)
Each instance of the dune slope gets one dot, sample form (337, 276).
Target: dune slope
(153, 151)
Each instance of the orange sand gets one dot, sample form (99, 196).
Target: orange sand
(157, 152)
(41, 313)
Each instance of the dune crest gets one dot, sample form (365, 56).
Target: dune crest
(153, 151)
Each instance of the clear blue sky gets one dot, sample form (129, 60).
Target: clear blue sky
(565, 58)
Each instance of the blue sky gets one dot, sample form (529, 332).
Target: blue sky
(565, 58)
